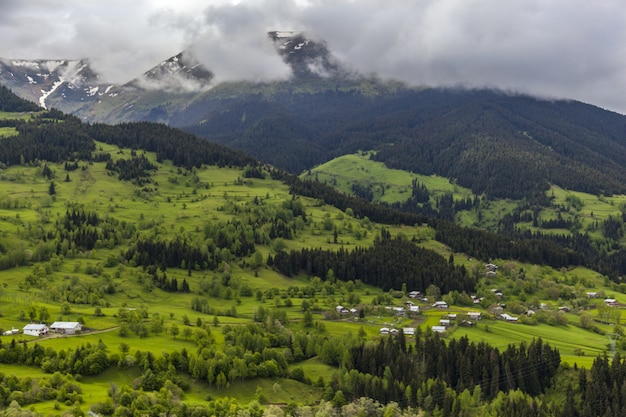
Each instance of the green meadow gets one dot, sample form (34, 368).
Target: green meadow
(98, 286)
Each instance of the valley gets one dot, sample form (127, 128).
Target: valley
(208, 282)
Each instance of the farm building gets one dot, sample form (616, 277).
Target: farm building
(439, 329)
(384, 330)
(399, 311)
(12, 332)
(509, 318)
(474, 315)
(66, 327)
(35, 329)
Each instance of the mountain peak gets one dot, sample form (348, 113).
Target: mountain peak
(42, 80)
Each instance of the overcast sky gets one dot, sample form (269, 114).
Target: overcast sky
(553, 48)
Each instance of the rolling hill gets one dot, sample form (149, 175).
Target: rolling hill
(210, 283)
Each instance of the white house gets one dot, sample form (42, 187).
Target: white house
(491, 267)
(440, 304)
(611, 302)
(409, 331)
(414, 309)
(66, 327)
(35, 329)
(384, 330)
(474, 315)
(444, 322)
(506, 317)
(439, 329)
(399, 311)
(12, 332)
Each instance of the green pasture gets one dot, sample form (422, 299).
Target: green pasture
(16, 116)
(565, 338)
(6, 132)
(388, 185)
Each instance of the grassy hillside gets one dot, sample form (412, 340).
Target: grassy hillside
(210, 319)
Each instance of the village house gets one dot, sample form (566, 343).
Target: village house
(399, 311)
(409, 331)
(66, 327)
(414, 294)
(384, 330)
(611, 302)
(440, 304)
(444, 322)
(474, 315)
(592, 294)
(414, 309)
(12, 332)
(35, 329)
(439, 329)
(508, 318)
(491, 267)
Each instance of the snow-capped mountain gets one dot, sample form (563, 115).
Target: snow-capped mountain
(180, 73)
(159, 94)
(307, 57)
(53, 83)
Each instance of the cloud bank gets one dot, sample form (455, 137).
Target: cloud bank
(560, 48)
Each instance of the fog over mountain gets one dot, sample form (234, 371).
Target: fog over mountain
(562, 48)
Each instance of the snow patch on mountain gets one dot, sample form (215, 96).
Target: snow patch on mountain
(45, 94)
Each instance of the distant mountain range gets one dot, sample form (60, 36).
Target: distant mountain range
(497, 144)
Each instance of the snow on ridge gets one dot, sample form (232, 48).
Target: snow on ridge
(279, 34)
(24, 63)
(45, 94)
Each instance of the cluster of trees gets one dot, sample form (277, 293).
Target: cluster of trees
(135, 169)
(176, 253)
(83, 230)
(9, 102)
(387, 264)
(27, 390)
(47, 139)
(600, 391)
(458, 364)
(181, 148)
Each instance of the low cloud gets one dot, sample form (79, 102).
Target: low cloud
(562, 48)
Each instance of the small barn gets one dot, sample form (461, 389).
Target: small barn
(35, 329)
(66, 327)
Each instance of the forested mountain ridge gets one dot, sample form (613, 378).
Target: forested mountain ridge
(495, 144)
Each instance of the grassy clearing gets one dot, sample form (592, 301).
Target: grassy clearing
(565, 338)
(388, 185)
